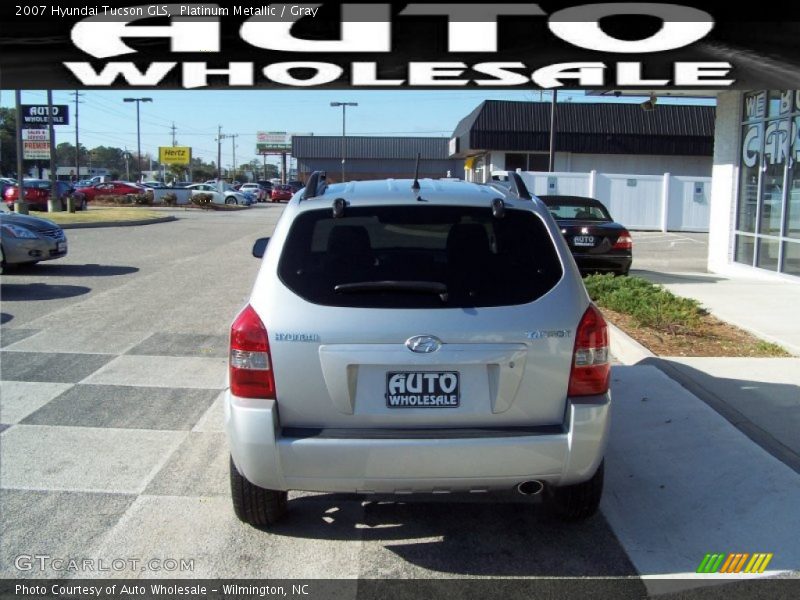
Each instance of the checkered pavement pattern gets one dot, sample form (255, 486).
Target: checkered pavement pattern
(112, 447)
(94, 425)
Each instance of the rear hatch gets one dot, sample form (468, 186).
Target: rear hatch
(422, 316)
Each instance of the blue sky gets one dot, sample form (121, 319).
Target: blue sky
(106, 120)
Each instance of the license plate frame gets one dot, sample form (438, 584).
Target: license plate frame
(584, 241)
(423, 389)
(61, 247)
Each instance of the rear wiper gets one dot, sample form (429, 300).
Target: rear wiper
(414, 287)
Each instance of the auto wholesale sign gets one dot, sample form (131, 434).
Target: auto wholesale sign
(175, 155)
(35, 115)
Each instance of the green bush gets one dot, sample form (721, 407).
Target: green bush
(170, 199)
(648, 304)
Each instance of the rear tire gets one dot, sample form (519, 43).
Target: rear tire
(255, 505)
(230, 200)
(579, 501)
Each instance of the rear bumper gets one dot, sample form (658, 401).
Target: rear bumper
(603, 262)
(272, 460)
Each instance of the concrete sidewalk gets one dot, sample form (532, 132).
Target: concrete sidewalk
(759, 396)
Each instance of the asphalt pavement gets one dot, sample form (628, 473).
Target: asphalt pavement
(112, 366)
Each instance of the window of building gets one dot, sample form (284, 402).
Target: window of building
(535, 161)
(768, 203)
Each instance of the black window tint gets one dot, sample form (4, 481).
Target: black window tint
(481, 260)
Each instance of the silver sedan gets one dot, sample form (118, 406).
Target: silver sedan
(25, 239)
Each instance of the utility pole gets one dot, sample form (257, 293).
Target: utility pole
(344, 106)
(127, 165)
(173, 128)
(553, 105)
(219, 153)
(233, 137)
(53, 201)
(77, 143)
(138, 131)
(20, 165)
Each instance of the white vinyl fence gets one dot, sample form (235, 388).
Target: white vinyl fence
(646, 202)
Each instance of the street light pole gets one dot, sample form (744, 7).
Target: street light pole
(344, 106)
(138, 131)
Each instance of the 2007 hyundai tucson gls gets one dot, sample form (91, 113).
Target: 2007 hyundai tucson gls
(417, 337)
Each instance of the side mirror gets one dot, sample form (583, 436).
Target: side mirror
(260, 247)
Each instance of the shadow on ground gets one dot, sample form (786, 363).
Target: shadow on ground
(476, 538)
(766, 412)
(64, 270)
(658, 277)
(16, 292)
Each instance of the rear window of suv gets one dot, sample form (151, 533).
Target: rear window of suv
(419, 257)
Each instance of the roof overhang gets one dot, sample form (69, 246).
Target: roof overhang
(659, 93)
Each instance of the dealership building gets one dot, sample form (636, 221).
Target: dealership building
(755, 196)
(604, 137)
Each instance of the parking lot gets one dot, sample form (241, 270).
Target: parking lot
(113, 360)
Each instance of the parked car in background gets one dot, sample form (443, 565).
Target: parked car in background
(37, 194)
(181, 184)
(295, 185)
(111, 188)
(156, 185)
(597, 242)
(282, 193)
(6, 182)
(394, 346)
(25, 240)
(266, 186)
(256, 189)
(227, 196)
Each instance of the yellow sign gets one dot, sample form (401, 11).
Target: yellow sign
(175, 155)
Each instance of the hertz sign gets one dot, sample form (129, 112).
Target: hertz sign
(175, 155)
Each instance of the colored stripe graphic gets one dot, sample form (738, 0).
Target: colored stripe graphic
(734, 562)
(759, 562)
(711, 563)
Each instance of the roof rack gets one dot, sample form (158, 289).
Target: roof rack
(316, 185)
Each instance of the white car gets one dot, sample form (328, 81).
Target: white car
(259, 192)
(228, 195)
(417, 337)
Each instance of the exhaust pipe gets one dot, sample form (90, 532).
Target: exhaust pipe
(530, 488)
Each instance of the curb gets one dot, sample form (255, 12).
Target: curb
(625, 348)
(631, 352)
(118, 223)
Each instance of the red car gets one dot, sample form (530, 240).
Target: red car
(282, 192)
(111, 188)
(37, 193)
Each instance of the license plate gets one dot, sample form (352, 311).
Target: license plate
(583, 240)
(422, 389)
(61, 247)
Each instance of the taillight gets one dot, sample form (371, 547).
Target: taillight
(624, 241)
(590, 366)
(250, 363)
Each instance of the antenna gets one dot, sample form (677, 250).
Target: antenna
(415, 185)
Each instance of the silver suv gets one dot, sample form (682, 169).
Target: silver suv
(417, 337)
